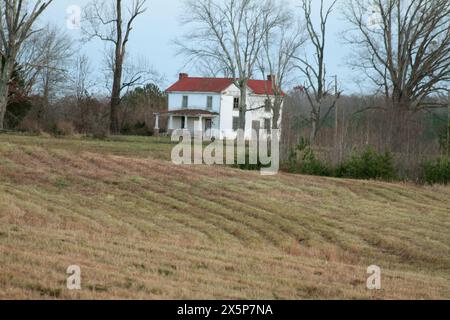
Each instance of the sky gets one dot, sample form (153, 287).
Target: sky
(155, 30)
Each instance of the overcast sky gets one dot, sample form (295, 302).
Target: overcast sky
(154, 31)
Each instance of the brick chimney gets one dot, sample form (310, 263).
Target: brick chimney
(271, 77)
(183, 76)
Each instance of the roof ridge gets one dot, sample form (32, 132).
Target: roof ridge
(217, 85)
(222, 78)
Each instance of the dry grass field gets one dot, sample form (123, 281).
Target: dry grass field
(140, 227)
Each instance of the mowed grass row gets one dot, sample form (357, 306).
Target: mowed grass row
(140, 227)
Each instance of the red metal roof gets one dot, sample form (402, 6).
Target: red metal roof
(261, 86)
(217, 85)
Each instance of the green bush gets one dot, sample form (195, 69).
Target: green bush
(368, 165)
(437, 171)
(444, 142)
(308, 163)
(312, 166)
(16, 112)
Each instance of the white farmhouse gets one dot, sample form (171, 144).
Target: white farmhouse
(210, 105)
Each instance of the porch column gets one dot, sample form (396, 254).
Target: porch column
(186, 125)
(198, 128)
(170, 124)
(200, 125)
(156, 130)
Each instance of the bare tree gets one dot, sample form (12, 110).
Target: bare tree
(136, 71)
(280, 47)
(319, 94)
(80, 79)
(403, 47)
(88, 116)
(16, 22)
(230, 33)
(105, 20)
(29, 60)
(55, 50)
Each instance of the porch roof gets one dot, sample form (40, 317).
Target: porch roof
(190, 113)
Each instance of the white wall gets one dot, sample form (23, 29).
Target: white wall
(196, 101)
(227, 112)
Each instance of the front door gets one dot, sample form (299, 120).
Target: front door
(208, 127)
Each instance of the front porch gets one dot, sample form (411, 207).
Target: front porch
(189, 119)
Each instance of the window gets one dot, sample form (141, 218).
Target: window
(208, 124)
(236, 103)
(185, 102)
(267, 125)
(209, 103)
(268, 105)
(235, 123)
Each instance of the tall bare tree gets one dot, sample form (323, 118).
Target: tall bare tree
(403, 46)
(319, 93)
(230, 33)
(112, 21)
(80, 77)
(280, 47)
(17, 18)
(55, 50)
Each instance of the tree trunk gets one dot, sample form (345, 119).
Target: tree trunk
(399, 118)
(276, 112)
(117, 76)
(4, 91)
(314, 128)
(3, 104)
(115, 93)
(115, 102)
(243, 105)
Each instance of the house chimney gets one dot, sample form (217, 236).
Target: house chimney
(271, 78)
(183, 76)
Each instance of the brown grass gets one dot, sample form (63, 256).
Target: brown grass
(140, 227)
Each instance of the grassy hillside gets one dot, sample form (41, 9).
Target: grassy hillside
(140, 227)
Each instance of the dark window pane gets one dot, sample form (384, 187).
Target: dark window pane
(236, 103)
(209, 103)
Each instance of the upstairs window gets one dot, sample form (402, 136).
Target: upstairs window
(235, 123)
(185, 102)
(236, 104)
(209, 103)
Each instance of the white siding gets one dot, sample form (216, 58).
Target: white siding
(227, 112)
(195, 101)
